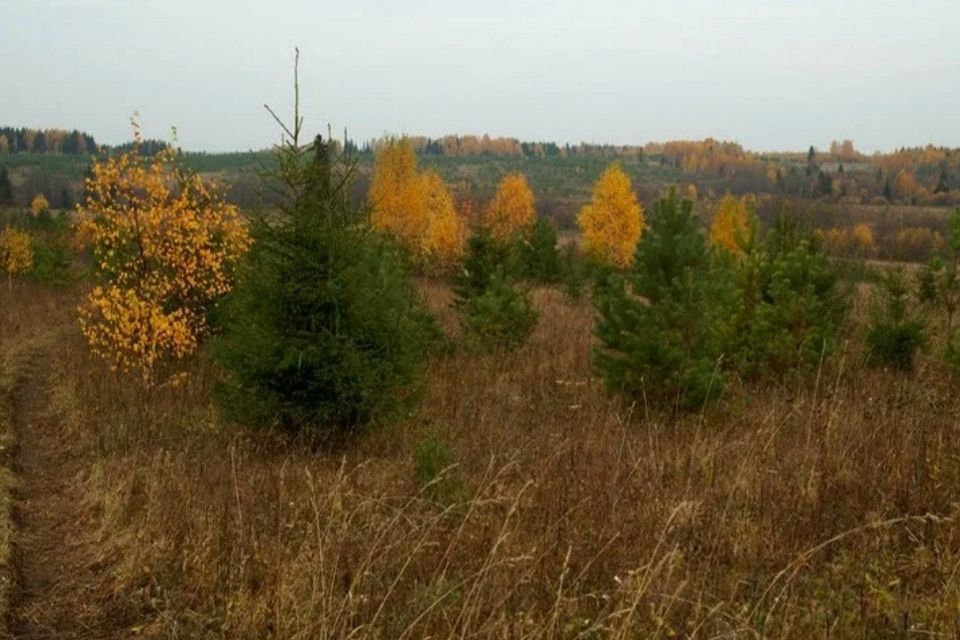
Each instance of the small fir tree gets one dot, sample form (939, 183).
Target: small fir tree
(324, 332)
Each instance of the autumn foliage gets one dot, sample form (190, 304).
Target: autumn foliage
(16, 253)
(512, 211)
(612, 222)
(415, 207)
(730, 224)
(165, 246)
(39, 204)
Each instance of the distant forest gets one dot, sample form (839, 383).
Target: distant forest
(59, 141)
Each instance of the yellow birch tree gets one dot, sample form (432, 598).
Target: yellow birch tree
(512, 210)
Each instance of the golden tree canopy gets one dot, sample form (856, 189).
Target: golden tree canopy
(512, 210)
(396, 193)
(730, 224)
(165, 247)
(612, 222)
(443, 238)
(16, 252)
(39, 204)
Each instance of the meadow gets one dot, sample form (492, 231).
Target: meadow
(796, 479)
(823, 507)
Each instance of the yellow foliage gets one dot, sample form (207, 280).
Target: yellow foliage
(16, 252)
(396, 193)
(415, 207)
(443, 238)
(612, 222)
(512, 210)
(730, 224)
(39, 204)
(863, 240)
(165, 244)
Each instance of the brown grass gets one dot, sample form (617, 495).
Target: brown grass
(821, 507)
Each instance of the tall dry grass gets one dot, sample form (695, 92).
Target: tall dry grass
(819, 507)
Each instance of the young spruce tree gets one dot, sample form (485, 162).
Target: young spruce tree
(662, 325)
(324, 331)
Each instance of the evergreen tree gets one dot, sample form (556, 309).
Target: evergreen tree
(895, 332)
(324, 331)
(539, 258)
(887, 191)
(6, 187)
(824, 184)
(662, 325)
(790, 307)
(943, 182)
(494, 312)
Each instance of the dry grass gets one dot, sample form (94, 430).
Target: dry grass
(825, 507)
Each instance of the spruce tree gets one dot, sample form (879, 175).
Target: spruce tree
(6, 188)
(324, 331)
(494, 312)
(662, 325)
(943, 182)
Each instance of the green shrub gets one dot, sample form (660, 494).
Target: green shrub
(324, 330)
(436, 472)
(894, 333)
(662, 324)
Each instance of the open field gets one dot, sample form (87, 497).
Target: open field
(816, 507)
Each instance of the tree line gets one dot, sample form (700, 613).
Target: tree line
(58, 141)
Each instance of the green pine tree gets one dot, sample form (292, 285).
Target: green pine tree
(895, 332)
(662, 325)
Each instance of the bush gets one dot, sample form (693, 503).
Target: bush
(661, 326)
(894, 334)
(324, 332)
(436, 472)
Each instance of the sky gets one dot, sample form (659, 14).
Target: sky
(770, 74)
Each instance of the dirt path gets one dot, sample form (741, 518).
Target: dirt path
(61, 572)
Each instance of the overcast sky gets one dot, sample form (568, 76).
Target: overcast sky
(770, 74)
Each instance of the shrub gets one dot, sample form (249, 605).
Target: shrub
(324, 332)
(661, 326)
(894, 333)
(436, 472)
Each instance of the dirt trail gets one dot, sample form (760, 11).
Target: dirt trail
(61, 570)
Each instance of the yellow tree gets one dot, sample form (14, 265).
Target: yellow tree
(39, 204)
(863, 240)
(396, 193)
(611, 223)
(730, 224)
(16, 253)
(512, 210)
(165, 246)
(442, 240)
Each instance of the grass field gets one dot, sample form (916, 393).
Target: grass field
(820, 506)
